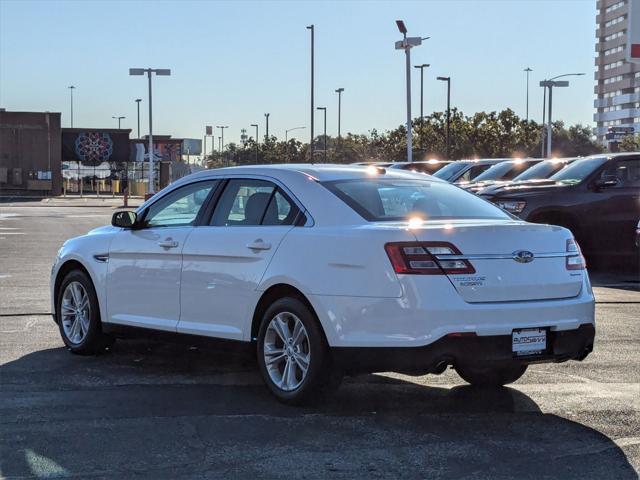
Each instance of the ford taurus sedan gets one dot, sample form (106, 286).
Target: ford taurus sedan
(331, 270)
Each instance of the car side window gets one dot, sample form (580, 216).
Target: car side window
(626, 171)
(249, 202)
(180, 207)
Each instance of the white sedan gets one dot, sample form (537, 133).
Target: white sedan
(331, 270)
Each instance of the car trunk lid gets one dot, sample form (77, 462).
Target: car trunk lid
(512, 260)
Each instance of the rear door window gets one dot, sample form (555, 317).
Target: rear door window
(251, 202)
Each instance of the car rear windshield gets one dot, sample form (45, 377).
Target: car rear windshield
(388, 200)
(578, 170)
(542, 170)
(504, 171)
(449, 172)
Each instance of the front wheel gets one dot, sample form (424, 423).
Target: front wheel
(293, 355)
(491, 376)
(78, 315)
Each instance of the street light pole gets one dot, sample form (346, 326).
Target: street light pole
(222, 127)
(266, 135)
(448, 80)
(339, 92)
(552, 82)
(138, 100)
(528, 70)
(286, 138)
(71, 88)
(286, 132)
(406, 44)
(312, 29)
(324, 109)
(118, 118)
(256, 125)
(149, 71)
(422, 67)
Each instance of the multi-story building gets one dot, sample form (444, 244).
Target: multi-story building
(617, 81)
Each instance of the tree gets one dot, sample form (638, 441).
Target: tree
(630, 143)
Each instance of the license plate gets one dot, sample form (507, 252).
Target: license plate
(529, 341)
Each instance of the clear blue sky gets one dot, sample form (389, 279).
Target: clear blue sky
(233, 61)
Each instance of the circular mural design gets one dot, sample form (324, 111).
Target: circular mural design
(93, 147)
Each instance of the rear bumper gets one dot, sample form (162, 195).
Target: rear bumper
(453, 350)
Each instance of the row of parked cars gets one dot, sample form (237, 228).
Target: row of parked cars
(596, 197)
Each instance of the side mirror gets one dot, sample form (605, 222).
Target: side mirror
(606, 181)
(124, 219)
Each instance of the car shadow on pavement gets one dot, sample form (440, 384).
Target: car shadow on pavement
(158, 410)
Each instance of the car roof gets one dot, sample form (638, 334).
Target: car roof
(318, 171)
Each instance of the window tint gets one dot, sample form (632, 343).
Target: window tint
(448, 172)
(578, 170)
(542, 170)
(180, 207)
(626, 171)
(247, 202)
(505, 170)
(379, 199)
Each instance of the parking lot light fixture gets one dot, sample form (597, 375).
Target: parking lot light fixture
(448, 80)
(119, 119)
(138, 100)
(324, 109)
(149, 71)
(71, 89)
(548, 85)
(257, 140)
(406, 44)
(222, 127)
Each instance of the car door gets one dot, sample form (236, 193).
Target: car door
(143, 284)
(617, 209)
(225, 261)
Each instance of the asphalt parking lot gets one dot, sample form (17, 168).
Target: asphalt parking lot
(153, 410)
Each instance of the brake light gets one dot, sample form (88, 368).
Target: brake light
(576, 261)
(426, 258)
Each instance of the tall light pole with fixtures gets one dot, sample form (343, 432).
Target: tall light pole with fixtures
(71, 88)
(528, 70)
(149, 72)
(118, 118)
(222, 127)
(312, 29)
(286, 137)
(549, 84)
(257, 141)
(266, 135)
(324, 109)
(406, 44)
(138, 100)
(422, 67)
(339, 92)
(448, 80)
(286, 132)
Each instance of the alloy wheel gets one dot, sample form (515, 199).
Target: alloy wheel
(287, 353)
(75, 312)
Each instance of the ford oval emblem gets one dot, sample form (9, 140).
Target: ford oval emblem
(523, 256)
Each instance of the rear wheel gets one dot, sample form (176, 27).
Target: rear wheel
(293, 355)
(78, 315)
(491, 376)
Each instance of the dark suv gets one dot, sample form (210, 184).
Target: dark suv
(597, 198)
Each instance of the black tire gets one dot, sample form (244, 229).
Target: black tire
(94, 341)
(322, 377)
(491, 376)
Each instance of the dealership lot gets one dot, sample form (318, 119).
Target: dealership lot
(154, 410)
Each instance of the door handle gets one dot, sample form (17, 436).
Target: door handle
(259, 245)
(168, 243)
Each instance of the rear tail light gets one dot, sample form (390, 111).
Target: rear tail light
(575, 260)
(426, 258)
